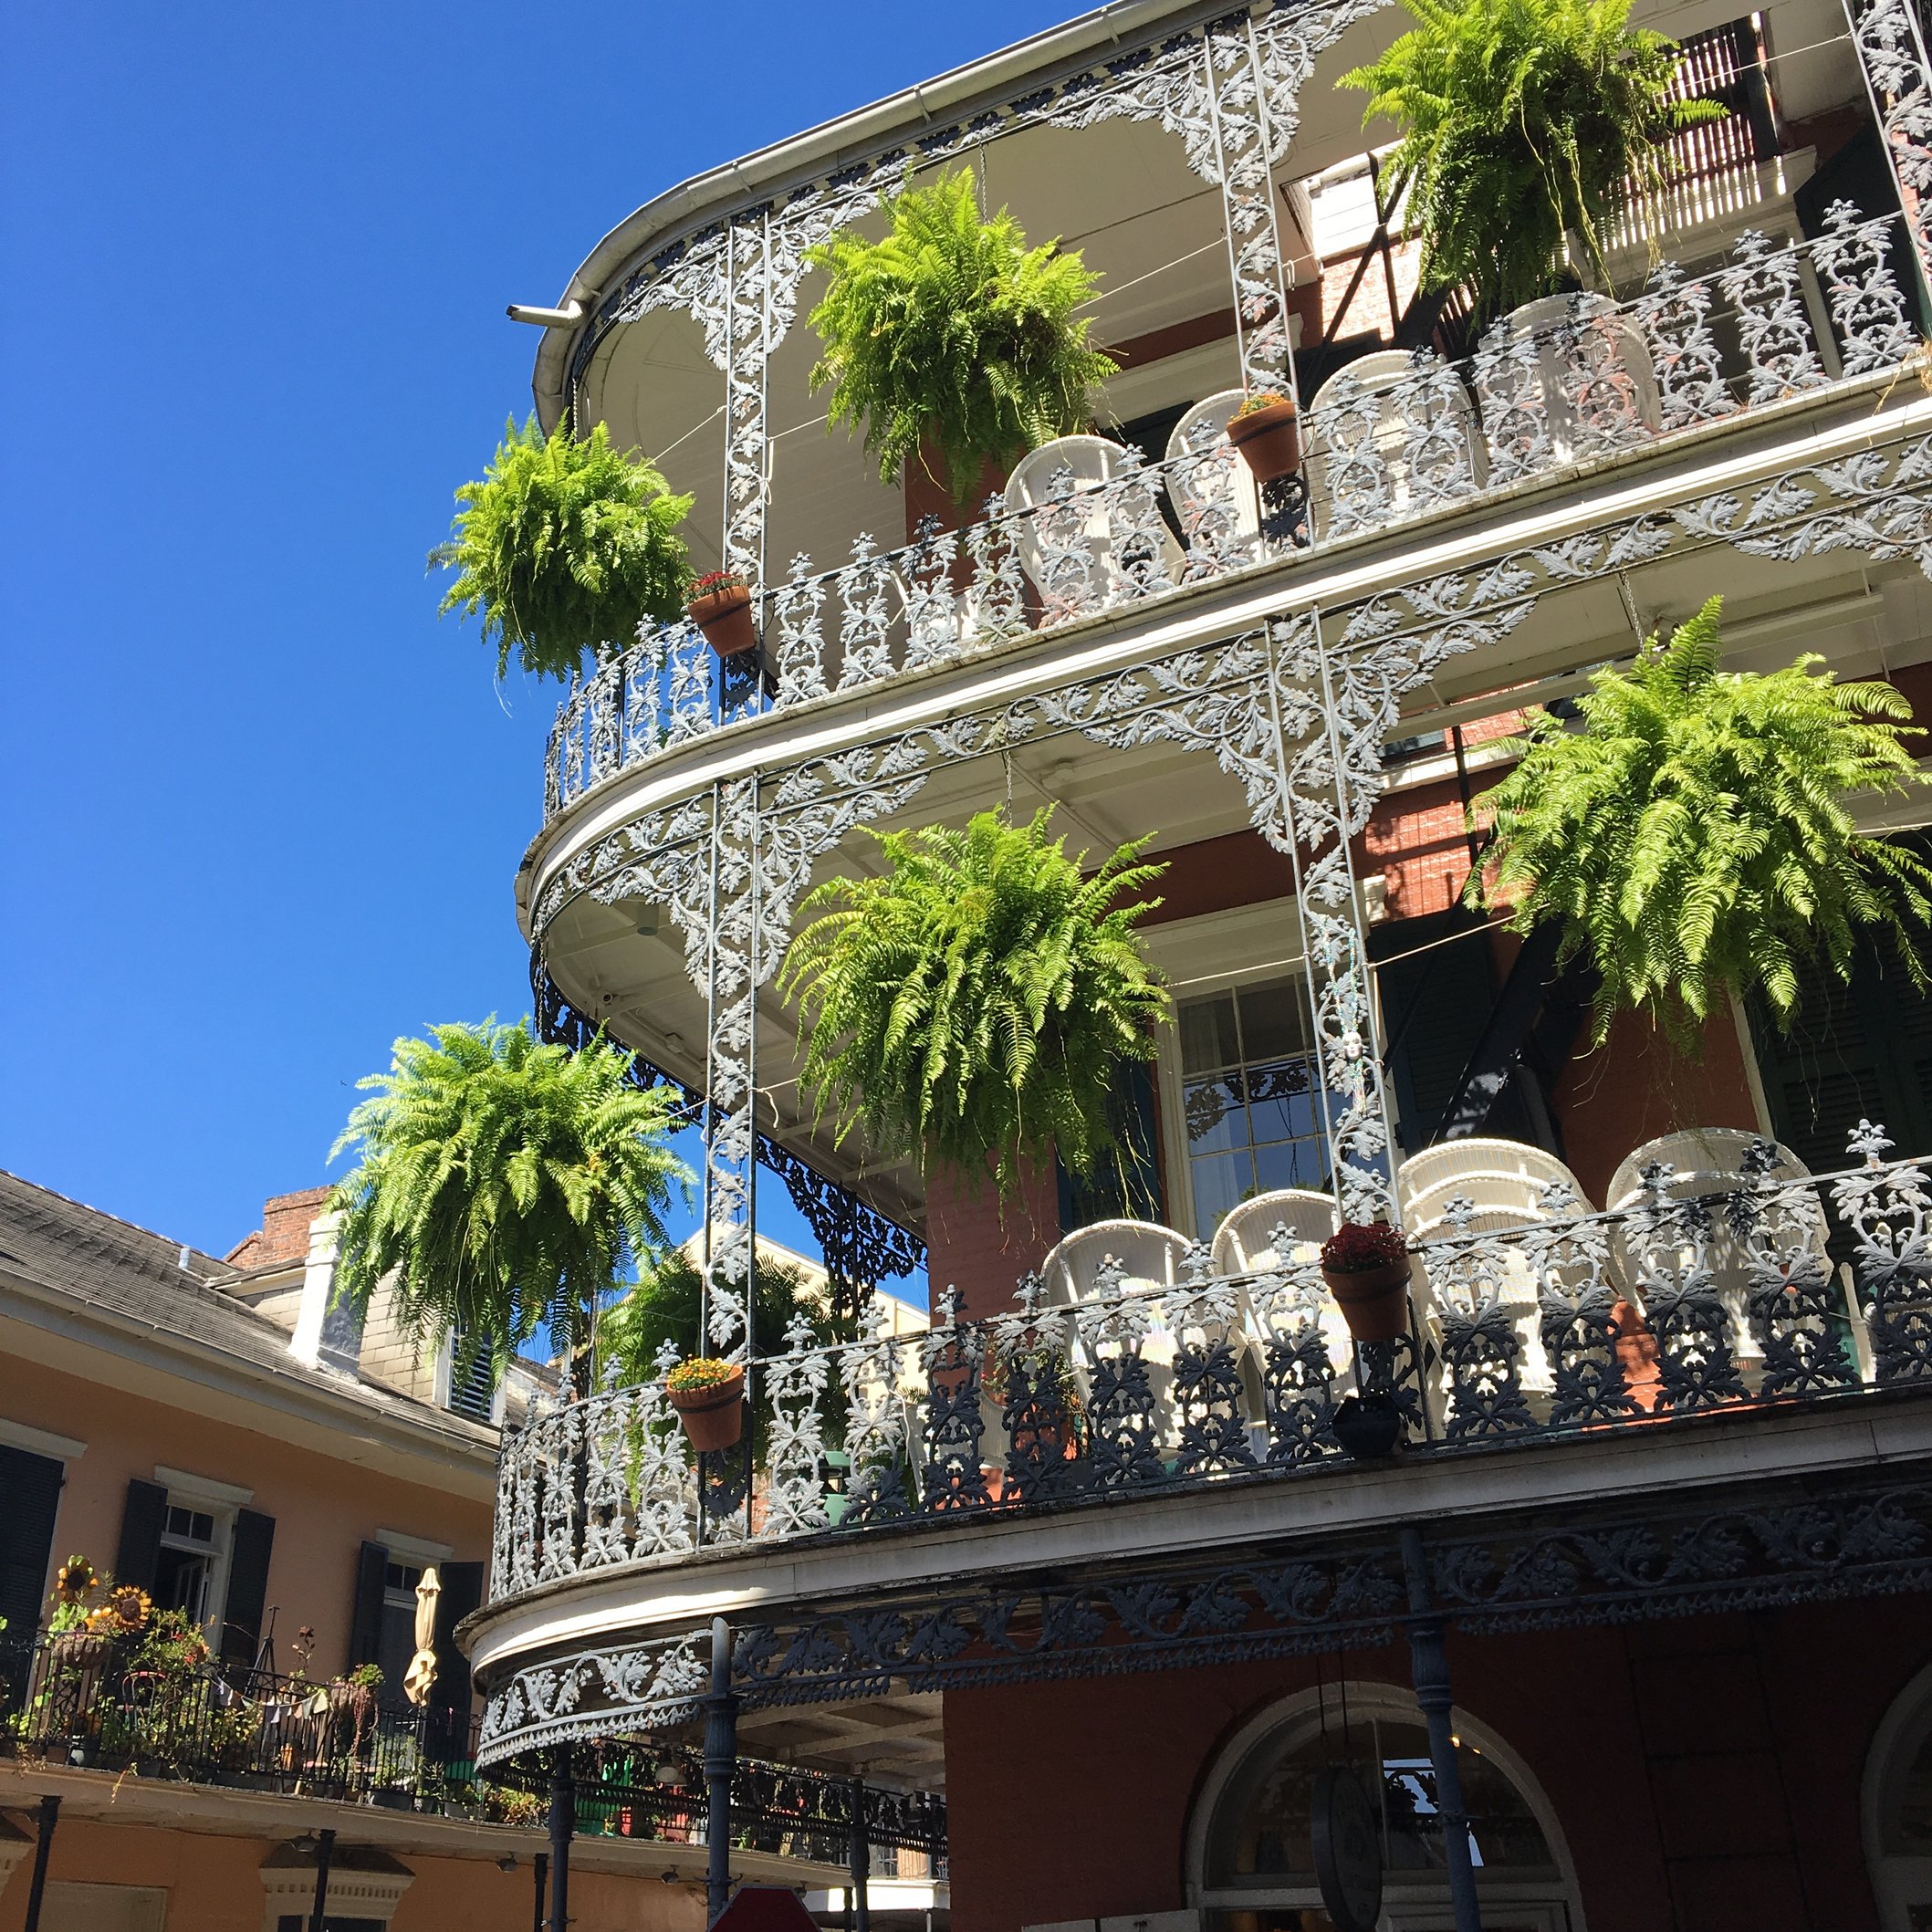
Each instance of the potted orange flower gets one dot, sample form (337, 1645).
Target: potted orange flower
(720, 606)
(1366, 1267)
(1266, 432)
(709, 1397)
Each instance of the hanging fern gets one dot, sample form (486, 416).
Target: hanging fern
(502, 1183)
(971, 1005)
(1692, 836)
(952, 328)
(564, 546)
(1522, 119)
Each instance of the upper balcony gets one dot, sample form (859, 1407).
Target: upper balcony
(1241, 241)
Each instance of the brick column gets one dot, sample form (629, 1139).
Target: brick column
(975, 1246)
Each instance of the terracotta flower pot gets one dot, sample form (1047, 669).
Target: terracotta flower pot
(1374, 1302)
(1269, 440)
(724, 618)
(713, 1415)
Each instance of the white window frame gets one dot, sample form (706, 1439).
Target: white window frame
(1899, 1879)
(1407, 1904)
(221, 1501)
(1250, 946)
(40, 1442)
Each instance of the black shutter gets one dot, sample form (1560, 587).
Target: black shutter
(449, 1696)
(142, 1522)
(29, 1501)
(1436, 999)
(1856, 1050)
(248, 1588)
(365, 1629)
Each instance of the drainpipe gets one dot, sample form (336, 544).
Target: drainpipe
(325, 1847)
(1429, 1669)
(721, 1751)
(43, 1849)
(542, 1862)
(563, 1821)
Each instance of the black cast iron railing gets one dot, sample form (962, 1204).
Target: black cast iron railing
(1145, 1362)
(76, 1699)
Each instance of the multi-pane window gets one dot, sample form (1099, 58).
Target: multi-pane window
(1248, 1081)
(185, 1570)
(396, 1642)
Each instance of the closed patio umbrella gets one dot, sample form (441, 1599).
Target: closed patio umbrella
(421, 1672)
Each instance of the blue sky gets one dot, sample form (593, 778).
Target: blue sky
(262, 809)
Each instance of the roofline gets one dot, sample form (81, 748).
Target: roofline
(224, 1270)
(327, 1399)
(802, 157)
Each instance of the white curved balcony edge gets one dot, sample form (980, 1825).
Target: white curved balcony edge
(1816, 427)
(665, 1597)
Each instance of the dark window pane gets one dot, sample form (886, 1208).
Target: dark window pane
(1274, 1021)
(1208, 1038)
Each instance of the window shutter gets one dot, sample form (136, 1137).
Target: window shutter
(449, 1696)
(365, 1629)
(29, 1501)
(248, 1588)
(1435, 1001)
(142, 1522)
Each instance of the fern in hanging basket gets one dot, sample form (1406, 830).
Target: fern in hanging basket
(951, 328)
(1521, 120)
(969, 1008)
(566, 546)
(1694, 837)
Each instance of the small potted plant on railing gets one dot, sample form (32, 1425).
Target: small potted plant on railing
(720, 606)
(1266, 431)
(709, 1397)
(1366, 1267)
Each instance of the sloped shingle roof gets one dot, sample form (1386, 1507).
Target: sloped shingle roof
(132, 1275)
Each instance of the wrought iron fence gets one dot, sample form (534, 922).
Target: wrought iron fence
(1568, 382)
(72, 1697)
(1780, 1290)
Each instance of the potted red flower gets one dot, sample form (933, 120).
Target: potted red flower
(720, 606)
(1366, 1267)
(1266, 431)
(709, 1397)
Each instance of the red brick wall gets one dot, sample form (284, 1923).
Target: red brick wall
(284, 1233)
(973, 1245)
(1635, 1088)
(1705, 1771)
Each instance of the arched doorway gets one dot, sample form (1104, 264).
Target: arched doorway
(1250, 1861)
(1898, 1808)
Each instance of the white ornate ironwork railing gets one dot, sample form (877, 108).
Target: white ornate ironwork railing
(1780, 1291)
(1569, 382)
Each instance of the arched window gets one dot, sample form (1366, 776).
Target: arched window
(1898, 1809)
(1250, 1860)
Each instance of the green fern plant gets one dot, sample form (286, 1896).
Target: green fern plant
(969, 1005)
(1521, 119)
(952, 329)
(566, 546)
(503, 1183)
(1692, 836)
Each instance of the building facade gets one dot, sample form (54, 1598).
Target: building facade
(1622, 1621)
(216, 1433)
